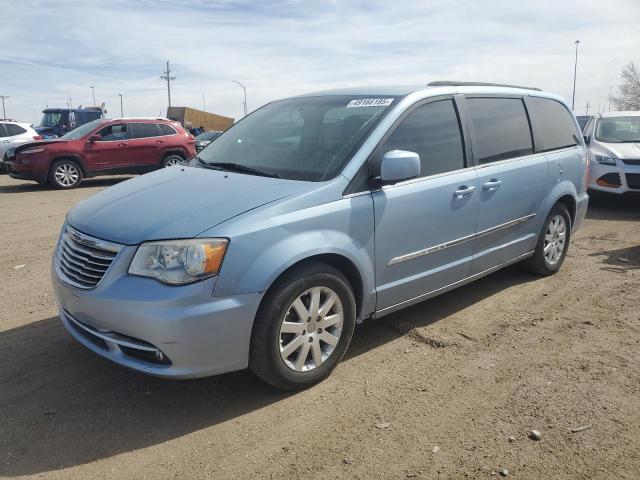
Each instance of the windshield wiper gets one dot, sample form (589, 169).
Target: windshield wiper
(236, 167)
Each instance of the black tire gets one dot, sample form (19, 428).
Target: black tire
(173, 159)
(57, 179)
(539, 263)
(265, 359)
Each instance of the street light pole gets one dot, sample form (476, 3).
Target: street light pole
(4, 113)
(121, 110)
(610, 95)
(93, 94)
(575, 71)
(244, 89)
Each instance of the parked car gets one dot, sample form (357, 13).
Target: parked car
(57, 122)
(206, 138)
(312, 214)
(614, 150)
(102, 147)
(14, 133)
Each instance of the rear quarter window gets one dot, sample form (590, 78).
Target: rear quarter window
(553, 125)
(166, 129)
(501, 128)
(14, 129)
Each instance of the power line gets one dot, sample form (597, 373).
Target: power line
(166, 75)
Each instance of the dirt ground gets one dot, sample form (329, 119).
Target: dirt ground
(463, 372)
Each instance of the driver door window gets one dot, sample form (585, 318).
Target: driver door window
(114, 132)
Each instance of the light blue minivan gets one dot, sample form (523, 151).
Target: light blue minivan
(312, 214)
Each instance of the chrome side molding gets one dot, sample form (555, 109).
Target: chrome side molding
(459, 241)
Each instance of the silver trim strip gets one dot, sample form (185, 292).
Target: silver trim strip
(83, 239)
(451, 285)
(458, 241)
(109, 336)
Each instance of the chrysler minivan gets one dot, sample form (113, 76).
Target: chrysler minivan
(313, 214)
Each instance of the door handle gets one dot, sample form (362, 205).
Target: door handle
(463, 191)
(122, 144)
(159, 141)
(492, 184)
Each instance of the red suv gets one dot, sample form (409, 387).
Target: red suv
(102, 147)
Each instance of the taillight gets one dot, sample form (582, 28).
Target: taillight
(37, 137)
(191, 138)
(587, 173)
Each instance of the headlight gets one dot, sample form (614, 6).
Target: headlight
(604, 160)
(178, 262)
(33, 150)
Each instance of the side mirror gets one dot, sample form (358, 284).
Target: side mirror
(95, 138)
(587, 139)
(398, 165)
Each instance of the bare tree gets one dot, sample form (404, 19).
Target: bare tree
(629, 98)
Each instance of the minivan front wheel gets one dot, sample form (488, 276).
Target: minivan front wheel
(65, 174)
(553, 242)
(303, 327)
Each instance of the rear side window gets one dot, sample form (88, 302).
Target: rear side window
(553, 125)
(501, 128)
(145, 130)
(14, 129)
(166, 129)
(3, 133)
(433, 132)
(117, 131)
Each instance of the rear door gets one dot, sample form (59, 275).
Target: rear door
(425, 227)
(513, 180)
(147, 144)
(111, 151)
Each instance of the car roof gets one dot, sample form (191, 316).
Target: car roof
(630, 113)
(437, 87)
(22, 124)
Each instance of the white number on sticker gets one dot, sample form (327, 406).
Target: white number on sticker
(370, 102)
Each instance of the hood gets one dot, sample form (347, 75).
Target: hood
(175, 202)
(619, 150)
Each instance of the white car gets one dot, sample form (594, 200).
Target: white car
(614, 152)
(15, 133)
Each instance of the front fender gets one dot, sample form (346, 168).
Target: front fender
(272, 244)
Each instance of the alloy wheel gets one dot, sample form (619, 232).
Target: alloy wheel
(311, 329)
(173, 161)
(66, 174)
(554, 239)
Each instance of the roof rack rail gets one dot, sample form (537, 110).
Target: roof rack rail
(447, 83)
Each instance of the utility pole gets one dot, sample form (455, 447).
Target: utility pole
(587, 111)
(244, 89)
(121, 110)
(610, 95)
(4, 113)
(575, 71)
(69, 102)
(93, 94)
(204, 105)
(166, 75)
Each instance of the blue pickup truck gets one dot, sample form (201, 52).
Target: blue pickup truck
(56, 122)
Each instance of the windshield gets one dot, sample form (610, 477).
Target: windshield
(51, 119)
(208, 136)
(309, 138)
(618, 130)
(82, 130)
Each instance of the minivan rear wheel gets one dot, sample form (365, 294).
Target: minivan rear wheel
(553, 242)
(303, 327)
(65, 174)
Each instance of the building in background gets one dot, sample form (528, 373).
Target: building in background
(197, 118)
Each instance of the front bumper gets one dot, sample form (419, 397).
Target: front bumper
(23, 172)
(177, 332)
(620, 178)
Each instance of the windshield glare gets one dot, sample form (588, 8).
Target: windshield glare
(82, 130)
(51, 119)
(618, 129)
(309, 138)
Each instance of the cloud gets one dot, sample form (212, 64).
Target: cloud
(282, 48)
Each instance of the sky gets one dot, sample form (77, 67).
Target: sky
(53, 51)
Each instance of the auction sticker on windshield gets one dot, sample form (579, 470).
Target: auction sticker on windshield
(370, 102)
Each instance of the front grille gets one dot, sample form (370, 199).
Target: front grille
(83, 259)
(633, 180)
(631, 161)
